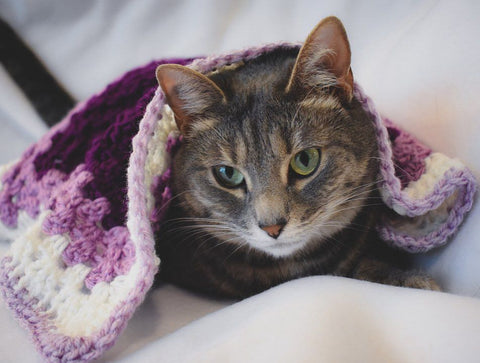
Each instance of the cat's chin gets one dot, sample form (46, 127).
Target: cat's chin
(279, 249)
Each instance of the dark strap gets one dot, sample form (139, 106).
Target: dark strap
(48, 97)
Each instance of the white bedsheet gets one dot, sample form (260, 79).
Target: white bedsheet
(420, 62)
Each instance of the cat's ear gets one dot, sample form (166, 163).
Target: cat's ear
(189, 93)
(326, 52)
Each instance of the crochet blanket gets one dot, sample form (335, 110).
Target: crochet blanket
(82, 204)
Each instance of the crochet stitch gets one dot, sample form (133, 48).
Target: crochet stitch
(81, 207)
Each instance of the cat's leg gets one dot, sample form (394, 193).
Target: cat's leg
(377, 271)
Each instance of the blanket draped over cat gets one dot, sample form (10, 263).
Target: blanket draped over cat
(81, 207)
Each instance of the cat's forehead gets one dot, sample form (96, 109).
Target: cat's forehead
(263, 75)
(269, 130)
(283, 118)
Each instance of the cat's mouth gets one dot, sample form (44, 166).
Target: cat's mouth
(280, 247)
(288, 242)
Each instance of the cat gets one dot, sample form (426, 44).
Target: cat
(276, 176)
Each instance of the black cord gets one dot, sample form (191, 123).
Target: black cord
(48, 97)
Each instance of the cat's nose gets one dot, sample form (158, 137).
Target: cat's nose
(273, 230)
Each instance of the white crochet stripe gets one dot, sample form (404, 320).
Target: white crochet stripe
(158, 159)
(436, 165)
(41, 271)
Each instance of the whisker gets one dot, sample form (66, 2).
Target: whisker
(223, 242)
(395, 164)
(342, 200)
(365, 205)
(240, 246)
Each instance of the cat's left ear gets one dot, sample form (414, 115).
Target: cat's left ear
(189, 94)
(325, 53)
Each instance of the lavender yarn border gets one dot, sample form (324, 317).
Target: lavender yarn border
(58, 348)
(454, 179)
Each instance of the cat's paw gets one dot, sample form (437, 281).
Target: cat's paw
(381, 272)
(421, 281)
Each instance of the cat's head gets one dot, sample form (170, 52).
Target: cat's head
(277, 153)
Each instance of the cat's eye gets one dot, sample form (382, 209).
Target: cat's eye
(305, 162)
(227, 176)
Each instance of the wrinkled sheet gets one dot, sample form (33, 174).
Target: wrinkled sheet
(418, 60)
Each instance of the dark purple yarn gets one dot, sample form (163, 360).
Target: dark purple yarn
(100, 135)
(408, 155)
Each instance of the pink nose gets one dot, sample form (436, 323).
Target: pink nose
(273, 230)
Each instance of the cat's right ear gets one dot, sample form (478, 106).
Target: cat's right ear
(189, 93)
(325, 53)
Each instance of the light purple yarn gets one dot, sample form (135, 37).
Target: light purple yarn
(134, 242)
(461, 180)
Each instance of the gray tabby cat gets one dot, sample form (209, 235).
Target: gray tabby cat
(276, 177)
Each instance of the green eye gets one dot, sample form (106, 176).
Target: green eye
(227, 176)
(305, 162)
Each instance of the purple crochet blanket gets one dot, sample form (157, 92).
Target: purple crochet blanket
(81, 205)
